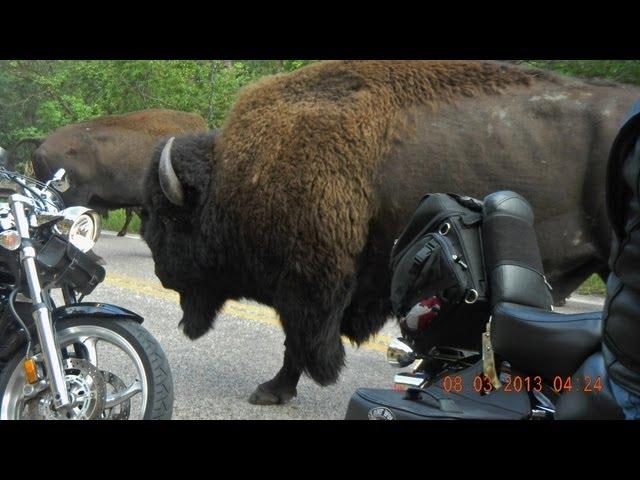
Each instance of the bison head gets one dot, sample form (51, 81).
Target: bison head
(73, 150)
(177, 217)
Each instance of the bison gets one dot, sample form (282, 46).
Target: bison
(297, 200)
(106, 157)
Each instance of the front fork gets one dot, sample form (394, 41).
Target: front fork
(41, 314)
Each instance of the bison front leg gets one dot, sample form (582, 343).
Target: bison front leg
(318, 352)
(281, 388)
(313, 343)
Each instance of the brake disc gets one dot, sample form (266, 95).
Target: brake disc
(122, 410)
(87, 393)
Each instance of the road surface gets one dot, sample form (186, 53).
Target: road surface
(214, 375)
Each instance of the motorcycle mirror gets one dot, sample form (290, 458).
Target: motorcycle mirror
(400, 354)
(60, 181)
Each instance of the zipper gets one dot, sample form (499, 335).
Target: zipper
(475, 286)
(450, 255)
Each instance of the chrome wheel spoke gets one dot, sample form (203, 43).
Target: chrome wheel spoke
(90, 345)
(81, 343)
(119, 397)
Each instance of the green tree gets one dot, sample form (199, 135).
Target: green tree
(626, 71)
(36, 97)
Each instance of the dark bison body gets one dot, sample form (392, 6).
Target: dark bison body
(106, 158)
(298, 199)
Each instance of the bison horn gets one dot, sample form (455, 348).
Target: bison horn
(169, 182)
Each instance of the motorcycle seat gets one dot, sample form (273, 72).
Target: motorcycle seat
(543, 342)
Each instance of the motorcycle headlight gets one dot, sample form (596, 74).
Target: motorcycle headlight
(81, 226)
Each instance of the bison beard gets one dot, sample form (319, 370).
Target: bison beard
(284, 205)
(199, 308)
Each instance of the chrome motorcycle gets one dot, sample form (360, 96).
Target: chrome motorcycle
(78, 360)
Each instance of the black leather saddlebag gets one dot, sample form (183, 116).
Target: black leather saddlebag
(438, 286)
(435, 403)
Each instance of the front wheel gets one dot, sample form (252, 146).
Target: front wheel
(114, 369)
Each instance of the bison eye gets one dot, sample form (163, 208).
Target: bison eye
(71, 151)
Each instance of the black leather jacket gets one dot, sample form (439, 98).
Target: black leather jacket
(622, 308)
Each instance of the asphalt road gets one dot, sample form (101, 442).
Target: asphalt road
(214, 375)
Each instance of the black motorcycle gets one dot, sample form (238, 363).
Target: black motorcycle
(74, 360)
(512, 358)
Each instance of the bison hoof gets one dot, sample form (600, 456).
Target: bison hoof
(262, 396)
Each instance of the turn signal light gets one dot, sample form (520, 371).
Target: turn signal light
(10, 239)
(30, 370)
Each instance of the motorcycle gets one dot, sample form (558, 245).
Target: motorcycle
(75, 360)
(526, 361)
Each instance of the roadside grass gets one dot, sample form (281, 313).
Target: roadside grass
(593, 286)
(115, 221)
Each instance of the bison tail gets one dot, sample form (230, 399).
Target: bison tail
(324, 362)
(364, 318)
(11, 162)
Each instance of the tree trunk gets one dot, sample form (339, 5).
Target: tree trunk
(212, 84)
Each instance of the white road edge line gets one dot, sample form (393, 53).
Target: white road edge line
(586, 300)
(111, 233)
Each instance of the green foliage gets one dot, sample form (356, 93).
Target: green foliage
(593, 286)
(36, 97)
(626, 71)
(115, 220)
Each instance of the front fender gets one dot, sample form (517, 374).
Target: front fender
(99, 310)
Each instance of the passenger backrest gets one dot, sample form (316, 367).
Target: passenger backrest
(512, 256)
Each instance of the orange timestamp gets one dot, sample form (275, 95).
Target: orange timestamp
(518, 383)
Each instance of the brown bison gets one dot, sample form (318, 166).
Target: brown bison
(297, 200)
(106, 157)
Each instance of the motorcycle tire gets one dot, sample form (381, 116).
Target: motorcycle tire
(159, 403)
